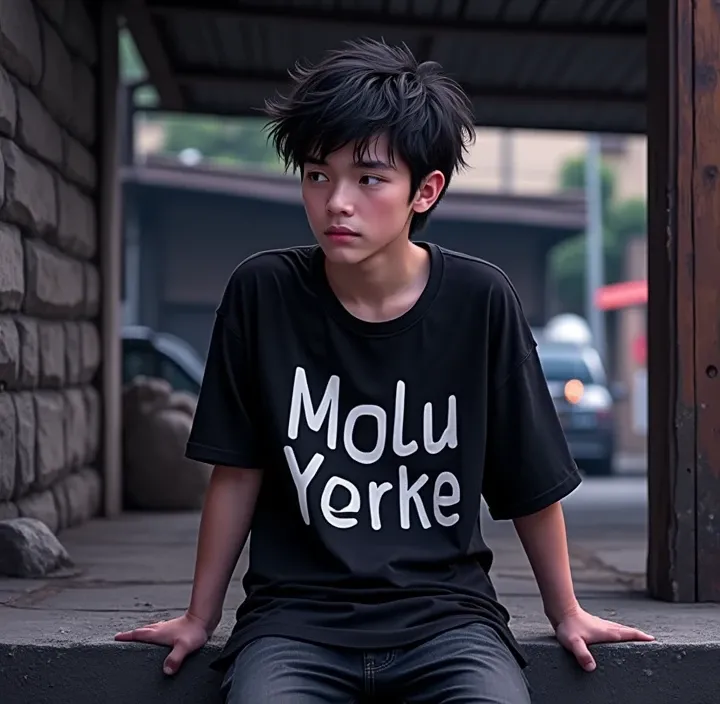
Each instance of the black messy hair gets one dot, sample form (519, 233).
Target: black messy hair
(367, 89)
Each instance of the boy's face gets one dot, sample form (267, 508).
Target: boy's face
(358, 208)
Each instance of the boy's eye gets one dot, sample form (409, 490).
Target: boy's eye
(316, 176)
(370, 180)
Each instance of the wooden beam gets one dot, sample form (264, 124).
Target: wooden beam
(277, 80)
(361, 21)
(684, 300)
(142, 27)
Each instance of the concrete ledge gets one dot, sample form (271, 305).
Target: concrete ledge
(131, 674)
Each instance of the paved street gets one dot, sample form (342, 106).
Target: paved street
(616, 505)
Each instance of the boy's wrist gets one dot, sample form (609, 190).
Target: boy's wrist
(558, 613)
(208, 623)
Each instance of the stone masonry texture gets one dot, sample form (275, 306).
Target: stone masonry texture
(50, 347)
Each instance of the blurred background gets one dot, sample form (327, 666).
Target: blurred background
(563, 213)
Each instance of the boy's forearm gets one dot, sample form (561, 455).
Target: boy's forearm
(224, 527)
(545, 542)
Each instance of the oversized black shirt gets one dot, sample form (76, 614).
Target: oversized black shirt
(377, 441)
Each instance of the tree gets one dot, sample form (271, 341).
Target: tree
(225, 141)
(622, 221)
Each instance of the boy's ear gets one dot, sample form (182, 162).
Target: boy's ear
(429, 191)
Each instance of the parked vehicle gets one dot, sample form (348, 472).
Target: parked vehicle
(584, 402)
(147, 352)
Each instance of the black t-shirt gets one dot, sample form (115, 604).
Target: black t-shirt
(377, 441)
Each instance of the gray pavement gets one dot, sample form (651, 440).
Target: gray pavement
(56, 634)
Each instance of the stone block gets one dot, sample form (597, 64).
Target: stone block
(9, 354)
(41, 507)
(20, 49)
(26, 434)
(90, 340)
(77, 229)
(56, 87)
(80, 164)
(30, 199)
(83, 122)
(52, 354)
(37, 131)
(8, 104)
(79, 494)
(50, 437)
(73, 353)
(29, 352)
(12, 268)
(79, 31)
(94, 410)
(8, 446)
(55, 286)
(76, 423)
(92, 291)
(8, 511)
(54, 10)
(62, 505)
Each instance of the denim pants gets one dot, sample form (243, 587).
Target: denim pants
(467, 665)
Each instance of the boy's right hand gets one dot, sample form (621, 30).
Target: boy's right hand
(184, 635)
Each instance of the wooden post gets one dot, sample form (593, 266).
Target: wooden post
(684, 301)
(110, 259)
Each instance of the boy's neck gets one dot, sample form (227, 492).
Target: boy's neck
(384, 286)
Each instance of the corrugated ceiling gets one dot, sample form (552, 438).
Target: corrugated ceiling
(557, 64)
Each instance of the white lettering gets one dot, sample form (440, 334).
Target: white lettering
(400, 448)
(315, 419)
(449, 436)
(439, 500)
(302, 479)
(355, 414)
(353, 506)
(375, 494)
(412, 493)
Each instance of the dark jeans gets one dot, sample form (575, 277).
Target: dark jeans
(467, 665)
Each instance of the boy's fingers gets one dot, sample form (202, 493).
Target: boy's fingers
(146, 634)
(175, 659)
(582, 654)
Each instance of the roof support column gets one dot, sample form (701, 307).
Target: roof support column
(684, 300)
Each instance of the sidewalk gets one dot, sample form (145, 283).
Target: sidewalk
(56, 635)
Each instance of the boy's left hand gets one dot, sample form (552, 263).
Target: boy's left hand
(579, 629)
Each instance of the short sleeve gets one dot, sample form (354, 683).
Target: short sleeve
(224, 430)
(528, 464)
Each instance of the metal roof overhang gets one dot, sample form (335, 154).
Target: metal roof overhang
(545, 64)
(563, 213)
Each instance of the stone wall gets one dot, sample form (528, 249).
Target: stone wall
(49, 281)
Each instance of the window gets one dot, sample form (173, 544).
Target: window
(176, 376)
(137, 361)
(564, 368)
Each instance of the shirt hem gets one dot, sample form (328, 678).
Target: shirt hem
(547, 498)
(214, 456)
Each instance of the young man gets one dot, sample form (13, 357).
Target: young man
(360, 396)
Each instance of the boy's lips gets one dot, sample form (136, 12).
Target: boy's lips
(340, 230)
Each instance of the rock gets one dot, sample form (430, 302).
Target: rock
(29, 549)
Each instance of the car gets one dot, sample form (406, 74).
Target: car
(147, 352)
(584, 402)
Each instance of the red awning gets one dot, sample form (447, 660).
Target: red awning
(622, 295)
